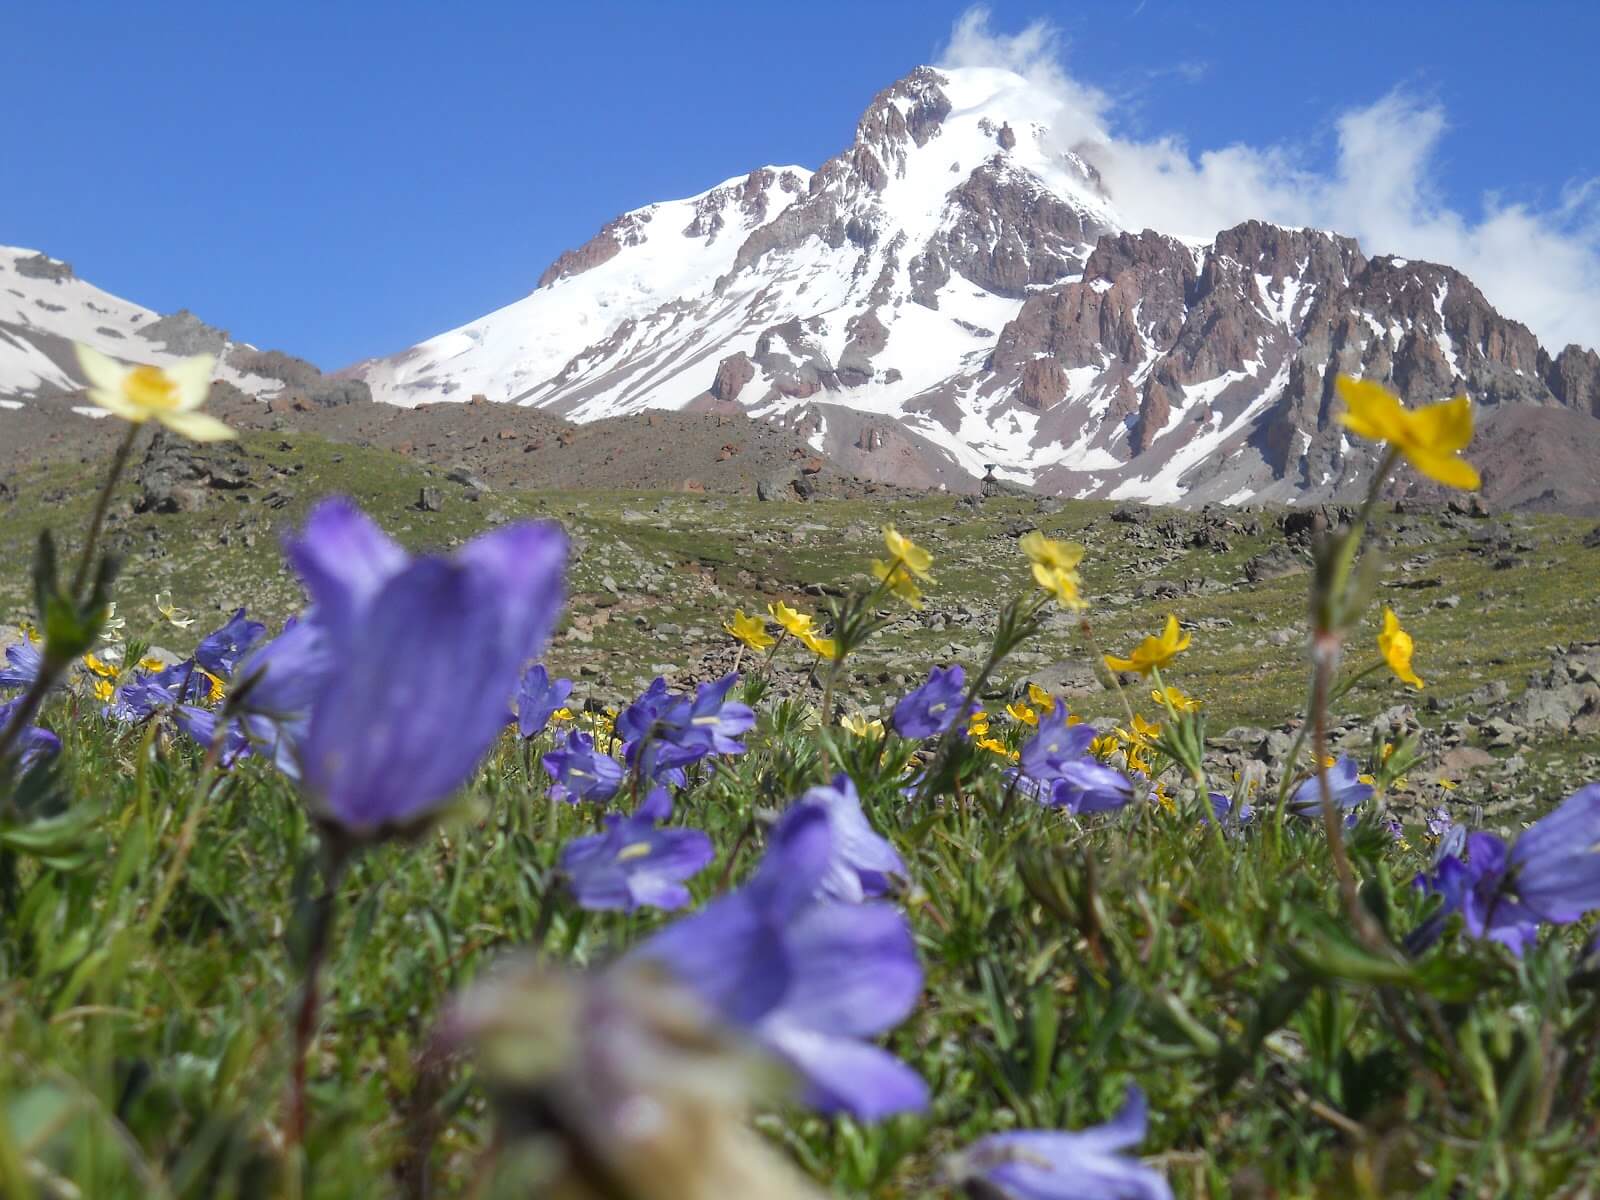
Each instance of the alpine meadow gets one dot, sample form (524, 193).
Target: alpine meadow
(894, 680)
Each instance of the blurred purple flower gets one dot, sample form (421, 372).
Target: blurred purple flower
(538, 697)
(863, 862)
(422, 658)
(1030, 1164)
(1550, 874)
(34, 743)
(667, 731)
(1054, 745)
(23, 660)
(220, 650)
(1085, 786)
(1344, 784)
(1222, 807)
(634, 864)
(810, 978)
(580, 772)
(933, 707)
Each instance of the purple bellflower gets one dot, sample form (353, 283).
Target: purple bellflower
(933, 707)
(220, 650)
(809, 978)
(580, 772)
(1222, 807)
(1344, 784)
(422, 658)
(23, 661)
(1030, 1164)
(634, 863)
(863, 862)
(1048, 751)
(34, 744)
(1550, 874)
(538, 698)
(1085, 786)
(666, 731)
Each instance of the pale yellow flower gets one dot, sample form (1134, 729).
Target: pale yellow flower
(1430, 438)
(176, 617)
(1396, 646)
(752, 631)
(1153, 652)
(139, 393)
(796, 623)
(898, 580)
(857, 725)
(903, 549)
(1049, 552)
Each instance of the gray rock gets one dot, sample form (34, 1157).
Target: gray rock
(430, 500)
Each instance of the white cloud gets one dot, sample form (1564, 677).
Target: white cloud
(1538, 266)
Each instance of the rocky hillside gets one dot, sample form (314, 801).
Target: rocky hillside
(957, 288)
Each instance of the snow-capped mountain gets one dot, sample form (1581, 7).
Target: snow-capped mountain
(957, 289)
(45, 307)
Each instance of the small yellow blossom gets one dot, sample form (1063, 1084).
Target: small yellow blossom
(1448, 785)
(98, 667)
(996, 746)
(903, 550)
(103, 689)
(216, 688)
(822, 647)
(898, 580)
(858, 725)
(151, 664)
(978, 723)
(1430, 438)
(1396, 646)
(1159, 795)
(1104, 746)
(1140, 732)
(796, 623)
(1153, 652)
(752, 631)
(1041, 699)
(1172, 696)
(561, 714)
(171, 395)
(1020, 712)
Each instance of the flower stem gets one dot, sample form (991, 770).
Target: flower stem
(102, 502)
(337, 855)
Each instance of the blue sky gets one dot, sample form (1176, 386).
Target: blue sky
(342, 180)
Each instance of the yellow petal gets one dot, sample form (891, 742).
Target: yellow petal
(196, 426)
(117, 406)
(193, 379)
(1445, 468)
(102, 372)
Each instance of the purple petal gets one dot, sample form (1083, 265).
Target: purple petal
(855, 969)
(844, 1075)
(343, 559)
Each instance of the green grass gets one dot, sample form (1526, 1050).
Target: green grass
(146, 1053)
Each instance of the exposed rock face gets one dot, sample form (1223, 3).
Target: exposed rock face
(733, 373)
(1574, 379)
(42, 266)
(180, 476)
(184, 333)
(304, 381)
(956, 270)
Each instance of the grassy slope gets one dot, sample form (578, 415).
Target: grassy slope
(1037, 1013)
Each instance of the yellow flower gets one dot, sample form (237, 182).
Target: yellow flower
(996, 746)
(151, 664)
(561, 714)
(752, 631)
(822, 647)
(1018, 711)
(1062, 584)
(1049, 552)
(217, 687)
(1430, 438)
(1142, 733)
(978, 723)
(1153, 652)
(1159, 795)
(1396, 646)
(103, 669)
(903, 550)
(1104, 746)
(898, 580)
(103, 689)
(176, 617)
(797, 623)
(172, 396)
(1041, 699)
(1172, 696)
(859, 726)
(1447, 784)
